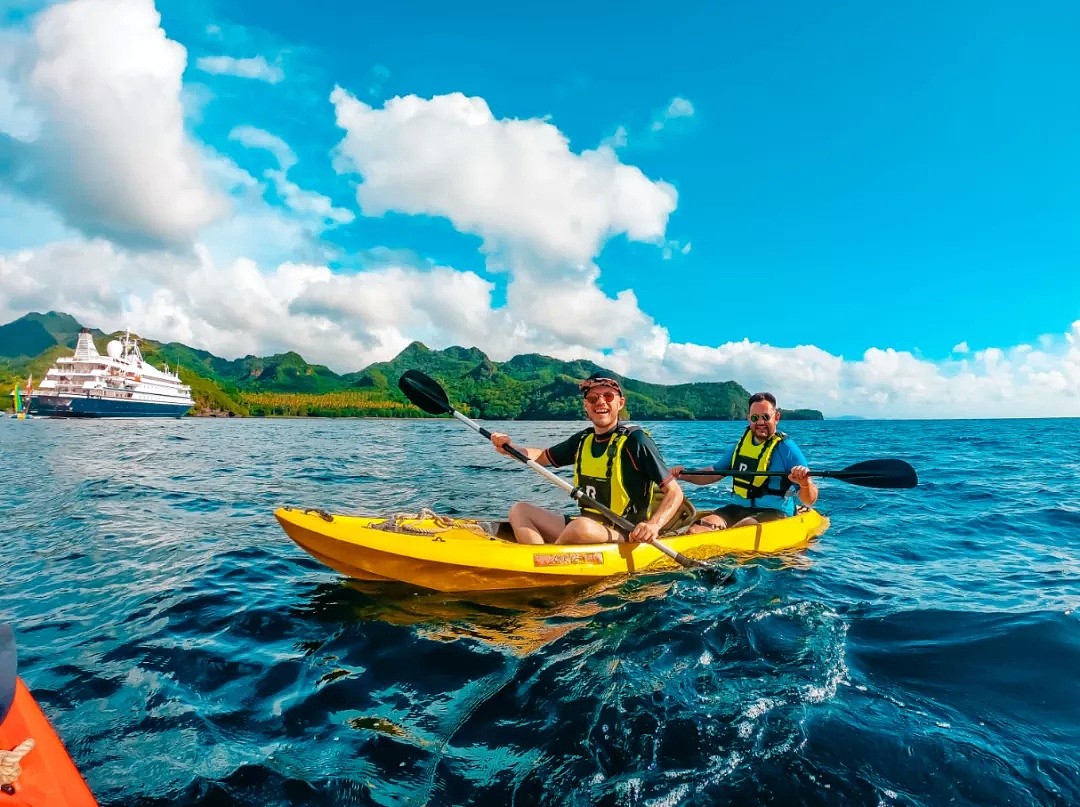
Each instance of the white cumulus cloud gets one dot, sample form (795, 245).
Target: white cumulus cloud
(111, 154)
(543, 211)
(515, 183)
(236, 308)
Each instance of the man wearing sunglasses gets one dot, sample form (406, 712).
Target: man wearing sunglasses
(757, 499)
(615, 463)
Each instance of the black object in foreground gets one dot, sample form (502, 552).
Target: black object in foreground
(7, 670)
(427, 394)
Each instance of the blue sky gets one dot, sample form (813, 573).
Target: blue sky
(871, 209)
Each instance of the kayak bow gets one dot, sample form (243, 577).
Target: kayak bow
(35, 769)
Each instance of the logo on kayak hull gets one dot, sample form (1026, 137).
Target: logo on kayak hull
(570, 559)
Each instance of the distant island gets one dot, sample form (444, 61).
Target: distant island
(527, 387)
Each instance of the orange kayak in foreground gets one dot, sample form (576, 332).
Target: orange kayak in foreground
(48, 777)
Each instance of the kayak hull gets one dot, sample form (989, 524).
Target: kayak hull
(49, 777)
(464, 556)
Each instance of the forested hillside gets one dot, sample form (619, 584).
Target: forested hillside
(527, 387)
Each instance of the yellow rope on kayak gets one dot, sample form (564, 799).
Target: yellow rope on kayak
(399, 522)
(9, 762)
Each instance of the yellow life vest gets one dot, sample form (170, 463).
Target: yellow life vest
(601, 477)
(749, 457)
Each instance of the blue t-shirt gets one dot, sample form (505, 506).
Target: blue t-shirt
(785, 457)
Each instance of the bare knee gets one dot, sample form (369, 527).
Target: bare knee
(534, 525)
(519, 513)
(586, 531)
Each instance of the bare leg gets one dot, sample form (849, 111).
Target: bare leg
(586, 531)
(535, 525)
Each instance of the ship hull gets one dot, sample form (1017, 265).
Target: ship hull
(63, 406)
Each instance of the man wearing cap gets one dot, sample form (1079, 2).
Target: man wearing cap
(762, 447)
(615, 463)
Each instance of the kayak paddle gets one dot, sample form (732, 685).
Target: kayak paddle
(426, 393)
(886, 474)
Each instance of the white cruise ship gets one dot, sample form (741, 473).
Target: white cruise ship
(119, 384)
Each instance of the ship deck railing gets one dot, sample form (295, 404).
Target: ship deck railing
(119, 394)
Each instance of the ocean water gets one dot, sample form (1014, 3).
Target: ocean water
(924, 651)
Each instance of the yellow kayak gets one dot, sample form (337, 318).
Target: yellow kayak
(471, 555)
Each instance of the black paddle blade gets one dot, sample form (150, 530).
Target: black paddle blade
(884, 474)
(425, 392)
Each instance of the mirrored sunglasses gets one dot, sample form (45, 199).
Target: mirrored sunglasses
(593, 397)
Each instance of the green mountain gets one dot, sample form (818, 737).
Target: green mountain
(282, 372)
(33, 334)
(527, 387)
(453, 361)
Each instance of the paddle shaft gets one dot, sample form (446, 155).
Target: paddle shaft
(577, 493)
(731, 472)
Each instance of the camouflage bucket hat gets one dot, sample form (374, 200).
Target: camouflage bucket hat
(599, 380)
